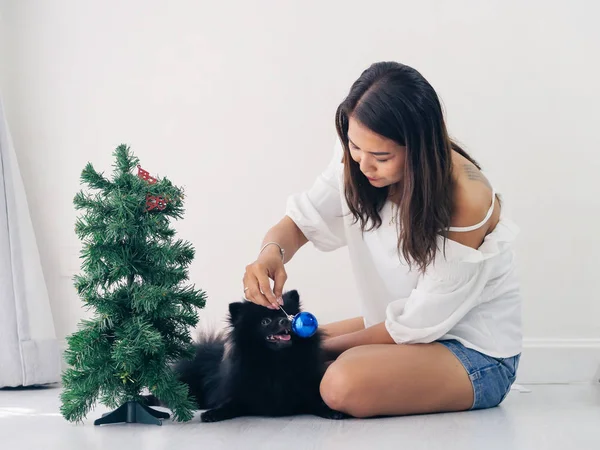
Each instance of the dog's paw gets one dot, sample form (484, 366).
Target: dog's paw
(335, 415)
(326, 412)
(212, 415)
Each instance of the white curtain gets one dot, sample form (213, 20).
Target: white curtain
(29, 351)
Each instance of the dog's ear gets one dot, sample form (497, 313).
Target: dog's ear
(291, 302)
(235, 311)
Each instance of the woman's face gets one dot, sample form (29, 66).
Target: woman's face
(380, 159)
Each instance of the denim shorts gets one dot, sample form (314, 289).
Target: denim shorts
(491, 377)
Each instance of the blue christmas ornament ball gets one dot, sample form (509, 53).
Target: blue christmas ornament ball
(304, 324)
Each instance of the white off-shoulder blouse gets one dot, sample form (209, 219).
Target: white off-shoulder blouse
(471, 295)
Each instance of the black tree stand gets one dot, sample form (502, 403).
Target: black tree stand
(133, 412)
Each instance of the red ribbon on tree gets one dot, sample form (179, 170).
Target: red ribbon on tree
(155, 201)
(145, 175)
(152, 201)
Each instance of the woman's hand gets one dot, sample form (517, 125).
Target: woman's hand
(257, 287)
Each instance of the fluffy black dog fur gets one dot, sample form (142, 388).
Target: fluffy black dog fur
(259, 368)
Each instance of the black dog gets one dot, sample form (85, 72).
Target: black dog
(260, 368)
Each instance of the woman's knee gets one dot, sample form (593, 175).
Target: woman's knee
(340, 390)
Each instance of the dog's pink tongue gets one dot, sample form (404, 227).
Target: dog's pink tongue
(284, 337)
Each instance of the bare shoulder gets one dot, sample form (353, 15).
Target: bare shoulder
(472, 201)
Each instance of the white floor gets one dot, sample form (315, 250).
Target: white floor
(548, 418)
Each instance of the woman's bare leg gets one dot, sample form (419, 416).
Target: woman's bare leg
(393, 379)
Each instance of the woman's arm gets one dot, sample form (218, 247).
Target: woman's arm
(335, 329)
(269, 264)
(376, 334)
(315, 215)
(287, 234)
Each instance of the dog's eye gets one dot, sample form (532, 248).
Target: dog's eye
(266, 321)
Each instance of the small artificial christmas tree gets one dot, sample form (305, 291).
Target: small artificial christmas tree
(133, 275)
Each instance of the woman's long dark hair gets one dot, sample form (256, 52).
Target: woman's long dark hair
(396, 102)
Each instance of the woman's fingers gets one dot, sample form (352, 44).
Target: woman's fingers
(280, 278)
(265, 289)
(256, 285)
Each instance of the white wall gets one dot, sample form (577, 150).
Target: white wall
(235, 101)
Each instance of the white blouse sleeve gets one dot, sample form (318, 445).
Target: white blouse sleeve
(444, 294)
(318, 211)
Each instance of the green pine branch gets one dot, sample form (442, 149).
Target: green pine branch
(94, 179)
(125, 160)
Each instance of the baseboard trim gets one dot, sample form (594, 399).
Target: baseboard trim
(559, 361)
(543, 361)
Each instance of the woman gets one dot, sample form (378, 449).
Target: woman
(430, 251)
